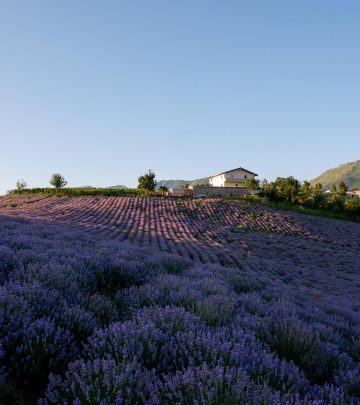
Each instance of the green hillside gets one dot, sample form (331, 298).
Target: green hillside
(200, 182)
(348, 172)
(172, 183)
(178, 183)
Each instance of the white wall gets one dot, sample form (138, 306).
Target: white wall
(241, 175)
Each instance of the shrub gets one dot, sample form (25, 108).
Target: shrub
(147, 338)
(2, 368)
(8, 263)
(15, 316)
(352, 206)
(173, 290)
(293, 341)
(216, 310)
(41, 301)
(219, 385)
(79, 322)
(100, 381)
(45, 348)
(102, 308)
(242, 281)
(76, 192)
(333, 203)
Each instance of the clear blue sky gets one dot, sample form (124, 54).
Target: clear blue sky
(103, 90)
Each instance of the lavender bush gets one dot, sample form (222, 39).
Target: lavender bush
(8, 262)
(98, 321)
(44, 348)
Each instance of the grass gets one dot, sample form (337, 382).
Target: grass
(348, 172)
(75, 192)
(286, 206)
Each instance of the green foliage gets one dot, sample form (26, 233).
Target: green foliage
(163, 190)
(352, 206)
(333, 202)
(76, 192)
(295, 342)
(58, 181)
(348, 173)
(252, 184)
(282, 189)
(21, 184)
(147, 181)
(305, 188)
(304, 195)
(342, 188)
(318, 187)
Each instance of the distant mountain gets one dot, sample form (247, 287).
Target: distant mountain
(116, 187)
(178, 183)
(200, 182)
(349, 173)
(172, 183)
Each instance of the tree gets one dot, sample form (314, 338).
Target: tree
(305, 192)
(185, 185)
(287, 188)
(318, 187)
(264, 183)
(58, 181)
(163, 190)
(343, 188)
(147, 181)
(252, 184)
(21, 184)
(306, 188)
(333, 188)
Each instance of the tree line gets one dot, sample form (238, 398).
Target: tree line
(292, 191)
(146, 183)
(284, 190)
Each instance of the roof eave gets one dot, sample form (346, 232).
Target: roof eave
(229, 171)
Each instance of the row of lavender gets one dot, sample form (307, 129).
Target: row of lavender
(85, 322)
(207, 231)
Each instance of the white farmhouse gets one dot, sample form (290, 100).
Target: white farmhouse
(353, 193)
(231, 178)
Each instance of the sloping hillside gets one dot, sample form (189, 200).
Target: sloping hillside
(255, 305)
(119, 186)
(172, 183)
(348, 172)
(178, 183)
(200, 182)
(102, 320)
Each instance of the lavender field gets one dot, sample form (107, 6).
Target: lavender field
(154, 301)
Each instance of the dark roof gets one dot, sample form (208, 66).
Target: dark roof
(232, 170)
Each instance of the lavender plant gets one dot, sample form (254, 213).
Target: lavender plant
(106, 322)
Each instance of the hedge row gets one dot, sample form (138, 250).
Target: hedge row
(127, 192)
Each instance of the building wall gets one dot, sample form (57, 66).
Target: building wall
(231, 179)
(182, 192)
(234, 183)
(219, 191)
(353, 194)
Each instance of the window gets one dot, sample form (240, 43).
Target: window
(245, 176)
(236, 184)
